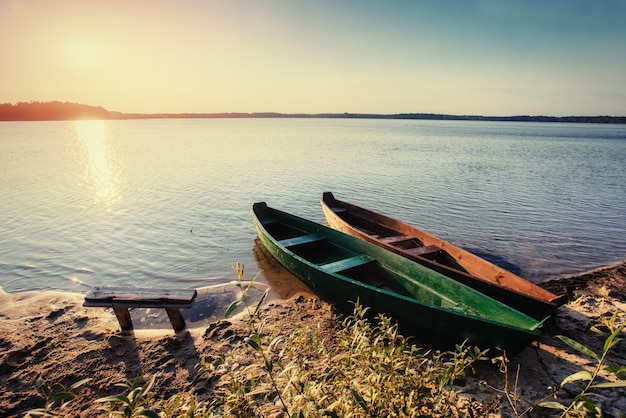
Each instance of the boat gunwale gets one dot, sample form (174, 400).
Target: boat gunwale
(551, 303)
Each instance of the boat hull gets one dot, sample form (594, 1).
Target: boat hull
(447, 315)
(447, 259)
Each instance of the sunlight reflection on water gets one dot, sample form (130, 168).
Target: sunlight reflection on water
(100, 174)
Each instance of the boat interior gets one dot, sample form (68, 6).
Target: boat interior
(332, 258)
(408, 245)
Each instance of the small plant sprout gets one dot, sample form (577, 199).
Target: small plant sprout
(55, 395)
(583, 403)
(133, 404)
(256, 327)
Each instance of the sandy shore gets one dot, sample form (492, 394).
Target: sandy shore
(50, 335)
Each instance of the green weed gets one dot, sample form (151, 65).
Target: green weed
(56, 396)
(583, 405)
(135, 402)
(367, 369)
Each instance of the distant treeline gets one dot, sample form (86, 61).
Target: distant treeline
(416, 116)
(562, 119)
(32, 111)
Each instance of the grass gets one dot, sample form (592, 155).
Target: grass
(367, 369)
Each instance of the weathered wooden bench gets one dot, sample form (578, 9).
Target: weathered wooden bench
(121, 299)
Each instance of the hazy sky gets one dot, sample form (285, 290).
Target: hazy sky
(488, 57)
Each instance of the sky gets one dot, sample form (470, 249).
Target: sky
(464, 57)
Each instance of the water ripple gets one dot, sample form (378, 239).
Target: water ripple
(165, 203)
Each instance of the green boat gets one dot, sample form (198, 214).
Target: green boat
(428, 305)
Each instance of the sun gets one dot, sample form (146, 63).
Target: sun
(81, 54)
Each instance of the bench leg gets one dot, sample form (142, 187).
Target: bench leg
(176, 318)
(123, 316)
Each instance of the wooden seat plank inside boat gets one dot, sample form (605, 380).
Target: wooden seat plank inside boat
(369, 226)
(392, 239)
(347, 263)
(301, 240)
(421, 251)
(363, 268)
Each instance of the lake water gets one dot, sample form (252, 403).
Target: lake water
(166, 203)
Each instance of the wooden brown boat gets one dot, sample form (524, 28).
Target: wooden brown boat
(441, 256)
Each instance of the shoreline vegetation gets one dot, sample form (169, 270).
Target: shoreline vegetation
(56, 110)
(50, 343)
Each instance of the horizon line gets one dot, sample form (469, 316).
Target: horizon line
(57, 110)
